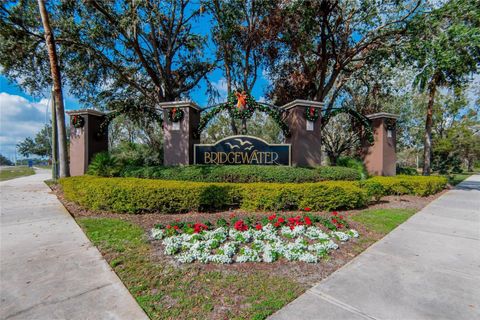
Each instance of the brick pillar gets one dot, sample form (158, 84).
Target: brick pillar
(87, 140)
(179, 137)
(380, 157)
(306, 137)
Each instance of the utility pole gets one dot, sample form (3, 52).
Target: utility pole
(54, 140)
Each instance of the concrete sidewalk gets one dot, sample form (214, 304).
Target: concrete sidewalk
(48, 268)
(427, 268)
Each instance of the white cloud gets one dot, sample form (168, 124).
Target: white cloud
(19, 118)
(221, 86)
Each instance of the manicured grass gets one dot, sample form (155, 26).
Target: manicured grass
(383, 220)
(455, 179)
(9, 173)
(166, 291)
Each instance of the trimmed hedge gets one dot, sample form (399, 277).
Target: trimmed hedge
(399, 185)
(243, 174)
(135, 195)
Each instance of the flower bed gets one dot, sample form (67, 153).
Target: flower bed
(301, 238)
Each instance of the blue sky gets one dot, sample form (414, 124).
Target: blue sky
(22, 115)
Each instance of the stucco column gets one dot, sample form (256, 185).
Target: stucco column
(179, 137)
(306, 137)
(90, 136)
(380, 157)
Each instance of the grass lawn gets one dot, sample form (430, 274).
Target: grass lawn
(166, 290)
(383, 220)
(455, 179)
(8, 173)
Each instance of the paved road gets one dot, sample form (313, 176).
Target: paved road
(48, 268)
(427, 268)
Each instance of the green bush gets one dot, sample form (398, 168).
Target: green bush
(355, 164)
(242, 174)
(104, 164)
(413, 185)
(135, 195)
(407, 171)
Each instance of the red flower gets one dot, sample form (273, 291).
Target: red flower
(307, 209)
(281, 220)
(176, 227)
(341, 217)
(334, 220)
(240, 226)
(199, 227)
(277, 224)
(258, 227)
(334, 213)
(168, 226)
(308, 222)
(273, 216)
(292, 227)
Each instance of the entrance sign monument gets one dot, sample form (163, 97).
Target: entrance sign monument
(242, 150)
(183, 121)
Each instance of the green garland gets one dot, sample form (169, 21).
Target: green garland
(245, 113)
(175, 114)
(311, 114)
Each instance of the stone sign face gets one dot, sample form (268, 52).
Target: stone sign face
(242, 150)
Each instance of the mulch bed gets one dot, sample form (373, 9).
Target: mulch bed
(305, 273)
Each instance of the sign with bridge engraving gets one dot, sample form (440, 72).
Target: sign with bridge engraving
(242, 150)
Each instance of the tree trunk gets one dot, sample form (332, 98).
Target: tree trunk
(427, 149)
(332, 157)
(57, 89)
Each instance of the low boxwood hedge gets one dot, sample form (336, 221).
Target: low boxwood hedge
(136, 195)
(146, 195)
(243, 174)
(401, 184)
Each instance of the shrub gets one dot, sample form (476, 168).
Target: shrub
(143, 195)
(413, 185)
(242, 174)
(407, 171)
(355, 164)
(104, 164)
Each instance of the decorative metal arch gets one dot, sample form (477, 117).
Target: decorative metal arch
(270, 109)
(364, 121)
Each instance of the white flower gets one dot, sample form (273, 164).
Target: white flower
(308, 257)
(292, 233)
(157, 234)
(315, 233)
(339, 235)
(353, 233)
(248, 254)
(267, 245)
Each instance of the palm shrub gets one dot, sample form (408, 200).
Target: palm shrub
(104, 164)
(355, 164)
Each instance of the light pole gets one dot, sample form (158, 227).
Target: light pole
(54, 140)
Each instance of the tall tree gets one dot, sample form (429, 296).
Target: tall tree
(320, 45)
(239, 33)
(40, 145)
(445, 46)
(123, 56)
(57, 91)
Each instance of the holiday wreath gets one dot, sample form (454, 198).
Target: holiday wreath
(311, 114)
(175, 114)
(77, 121)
